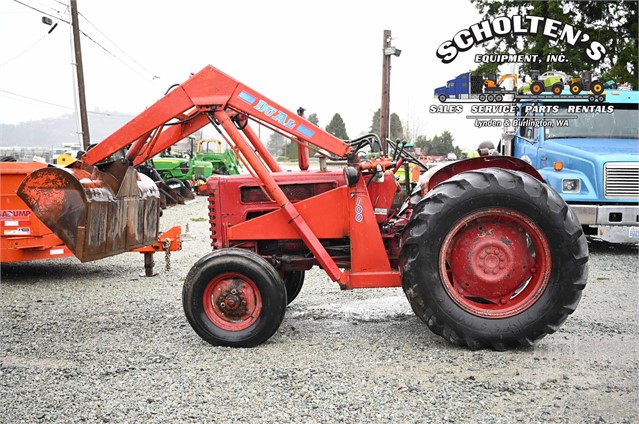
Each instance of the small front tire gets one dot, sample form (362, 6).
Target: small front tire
(293, 280)
(596, 87)
(557, 88)
(537, 87)
(576, 88)
(233, 297)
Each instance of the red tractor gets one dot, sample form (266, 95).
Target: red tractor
(487, 253)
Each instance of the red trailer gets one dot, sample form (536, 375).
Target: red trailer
(23, 237)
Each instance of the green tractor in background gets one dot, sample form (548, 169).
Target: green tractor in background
(187, 170)
(224, 162)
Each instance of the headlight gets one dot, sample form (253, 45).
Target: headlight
(570, 185)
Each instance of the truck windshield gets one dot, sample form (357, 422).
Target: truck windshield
(622, 122)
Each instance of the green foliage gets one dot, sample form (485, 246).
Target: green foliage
(337, 127)
(613, 24)
(291, 150)
(275, 144)
(440, 145)
(281, 147)
(313, 119)
(396, 129)
(375, 122)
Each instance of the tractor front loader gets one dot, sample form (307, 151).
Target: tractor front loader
(487, 253)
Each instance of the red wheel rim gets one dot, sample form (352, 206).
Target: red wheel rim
(536, 89)
(495, 263)
(232, 301)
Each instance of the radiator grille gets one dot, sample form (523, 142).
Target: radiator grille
(621, 180)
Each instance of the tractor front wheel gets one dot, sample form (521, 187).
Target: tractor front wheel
(493, 258)
(537, 88)
(557, 88)
(576, 88)
(293, 280)
(596, 87)
(233, 297)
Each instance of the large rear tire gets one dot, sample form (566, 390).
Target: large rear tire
(233, 297)
(493, 258)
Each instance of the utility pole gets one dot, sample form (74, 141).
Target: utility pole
(84, 121)
(384, 115)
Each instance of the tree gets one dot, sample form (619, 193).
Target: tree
(613, 24)
(291, 150)
(375, 123)
(313, 119)
(275, 144)
(337, 127)
(439, 145)
(423, 143)
(396, 130)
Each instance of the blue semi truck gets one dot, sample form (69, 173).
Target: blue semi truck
(467, 86)
(589, 153)
(463, 86)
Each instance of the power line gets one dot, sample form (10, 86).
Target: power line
(40, 11)
(59, 105)
(35, 100)
(93, 40)
(40, 4)
(24, 51)
(118, 47)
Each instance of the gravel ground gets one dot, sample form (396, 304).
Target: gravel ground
(96, 342)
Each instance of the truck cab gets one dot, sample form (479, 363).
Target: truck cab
(589, 153)
(466, 87)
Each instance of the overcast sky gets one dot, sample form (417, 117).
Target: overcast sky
(325, 56)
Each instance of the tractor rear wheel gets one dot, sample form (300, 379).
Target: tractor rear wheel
(233, 297)
(493, 258)
(293, 280)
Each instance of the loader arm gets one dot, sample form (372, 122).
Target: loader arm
(188, 108)
(100, 206)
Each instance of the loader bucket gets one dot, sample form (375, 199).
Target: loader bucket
(98, 211)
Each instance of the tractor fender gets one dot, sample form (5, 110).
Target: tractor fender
(439, 174)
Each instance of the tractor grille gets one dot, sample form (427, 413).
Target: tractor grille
(294, 192)
(621, 180)
(213, 220)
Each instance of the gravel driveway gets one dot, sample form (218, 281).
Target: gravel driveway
(96, 342)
